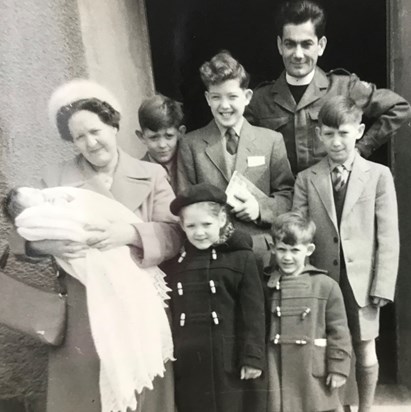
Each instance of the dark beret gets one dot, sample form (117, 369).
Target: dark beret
(203, 192)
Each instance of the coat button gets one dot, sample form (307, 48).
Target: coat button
(335, 262)
(335, 239)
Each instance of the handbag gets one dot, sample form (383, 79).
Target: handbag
(30, 310)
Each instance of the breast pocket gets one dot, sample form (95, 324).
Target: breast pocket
(312, 122)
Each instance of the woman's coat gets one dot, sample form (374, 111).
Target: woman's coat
(73, 383)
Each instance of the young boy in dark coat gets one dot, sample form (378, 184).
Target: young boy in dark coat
(309, 342)
(217, 305)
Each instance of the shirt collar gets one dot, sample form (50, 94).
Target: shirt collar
(347, 164)
(300, 81)
(167, 166)
(237, 128)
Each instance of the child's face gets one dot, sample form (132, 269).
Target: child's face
(201, 226)
(28, 197)
(340, 143)
(162, 144)
(300, 48)
(227, 102)
(291, 258)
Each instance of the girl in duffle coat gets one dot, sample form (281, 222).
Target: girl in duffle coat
(217, 305)
(309, 346)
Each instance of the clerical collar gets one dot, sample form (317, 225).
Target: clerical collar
(299, 81)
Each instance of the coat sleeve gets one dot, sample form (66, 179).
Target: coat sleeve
(281, 184)
(300, 200)
(338, 334)
(387, 242)
(386, 109)
(186, 175)
(162, 236)
(252, 317)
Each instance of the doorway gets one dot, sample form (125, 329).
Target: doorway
(186, 33)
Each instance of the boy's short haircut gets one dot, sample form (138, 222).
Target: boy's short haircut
(293, 228)
(223, 67)
(160, 112)
(299, 12)
(11, 205)
(338, 110)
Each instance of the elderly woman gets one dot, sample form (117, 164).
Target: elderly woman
(88, 116)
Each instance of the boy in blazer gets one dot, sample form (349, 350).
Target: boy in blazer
(229, 143)
(353, 204)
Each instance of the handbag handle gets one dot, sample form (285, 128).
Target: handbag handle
(4, 257)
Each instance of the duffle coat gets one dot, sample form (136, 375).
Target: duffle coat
(308, 339)
(217, 304)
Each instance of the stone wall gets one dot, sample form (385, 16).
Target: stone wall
(43, 44)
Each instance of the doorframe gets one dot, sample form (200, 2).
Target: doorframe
(399, 65)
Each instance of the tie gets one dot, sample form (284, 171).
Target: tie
(340, 175)
(232, 141)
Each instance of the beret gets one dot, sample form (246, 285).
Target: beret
(203, 192)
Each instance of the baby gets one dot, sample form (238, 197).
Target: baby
(125, 302)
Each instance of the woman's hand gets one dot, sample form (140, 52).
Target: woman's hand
(65, 249)
(112, 235)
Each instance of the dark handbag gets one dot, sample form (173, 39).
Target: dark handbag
(32, 311)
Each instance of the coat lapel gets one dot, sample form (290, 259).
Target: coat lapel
(282, 95)
(214, 149)
(322, 182)
(356, 184)
(80, 174)
(132, 181)
(315, 90)
(246, 147)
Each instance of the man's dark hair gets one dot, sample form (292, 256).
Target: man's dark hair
(299, 12)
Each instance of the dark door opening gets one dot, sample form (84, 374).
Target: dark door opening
(185, 33)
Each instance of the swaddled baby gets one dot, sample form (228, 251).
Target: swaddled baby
(125, 302)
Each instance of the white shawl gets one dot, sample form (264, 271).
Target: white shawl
(125, 303)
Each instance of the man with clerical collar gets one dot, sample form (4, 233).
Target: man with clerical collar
(161, 122)
(290, 104)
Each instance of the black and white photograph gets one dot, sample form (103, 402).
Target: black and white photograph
(205, 206)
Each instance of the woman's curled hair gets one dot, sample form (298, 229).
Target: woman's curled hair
(102, 109)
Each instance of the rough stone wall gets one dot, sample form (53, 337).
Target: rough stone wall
(42, 44)
(117, 48)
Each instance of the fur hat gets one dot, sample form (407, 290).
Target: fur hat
(202, 192)
(79, 89)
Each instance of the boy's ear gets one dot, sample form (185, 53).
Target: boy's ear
(182, 130)
(318, 131)
(361, 129)
(207, 96)
(139, 134)
(310, 249)
(323, 44)
(248, 95)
